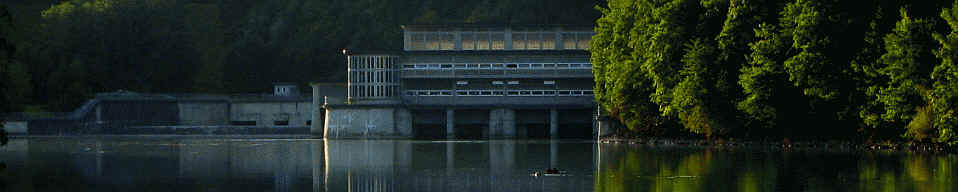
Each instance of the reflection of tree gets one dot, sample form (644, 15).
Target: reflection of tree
(648, 169)
(913, 172)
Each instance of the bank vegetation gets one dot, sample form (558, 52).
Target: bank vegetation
(871, 70)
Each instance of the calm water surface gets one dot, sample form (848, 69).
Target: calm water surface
(243, 164)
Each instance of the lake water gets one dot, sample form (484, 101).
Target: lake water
(170, 163)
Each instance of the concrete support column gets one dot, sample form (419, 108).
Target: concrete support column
(450, 123)
(450, 157)
(554, 123)
(316, 128)
(554, 154)
(502, 123)
(99, 114)
(404, 123)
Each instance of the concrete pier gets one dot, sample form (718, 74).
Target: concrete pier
(450, 158)
(502, 123)
(450, 123)
(553, 123)
(554, 153)
(316, 124)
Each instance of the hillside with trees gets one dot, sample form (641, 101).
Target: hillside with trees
(875, 70)
(58, 53)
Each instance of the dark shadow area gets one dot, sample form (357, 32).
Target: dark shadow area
(575, 131)
(429, 131)
(471, 131)
(537, 131)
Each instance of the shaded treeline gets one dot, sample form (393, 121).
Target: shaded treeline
(68, 50)
(772, 69)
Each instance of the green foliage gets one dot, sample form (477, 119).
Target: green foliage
(239, 46)
(760, 77)
(14, 79)
(906, 61)
(619, 85)
(944, 96)
(691, 94)
(798, 68)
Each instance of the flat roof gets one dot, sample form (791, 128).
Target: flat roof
(473, 52)
(493, 26)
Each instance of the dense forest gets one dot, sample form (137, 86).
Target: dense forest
(58, 53)
(874, 69)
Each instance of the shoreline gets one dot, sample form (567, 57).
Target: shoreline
(800, 145)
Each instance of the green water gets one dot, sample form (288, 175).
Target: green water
(171, 163)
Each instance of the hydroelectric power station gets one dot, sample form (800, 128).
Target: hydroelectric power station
(466, 82)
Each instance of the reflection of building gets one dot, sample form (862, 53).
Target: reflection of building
(470, 81)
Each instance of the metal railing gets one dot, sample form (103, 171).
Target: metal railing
(500, 92)
(497, 70)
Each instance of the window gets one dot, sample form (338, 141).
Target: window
(513, 82)
(548, 82)
(584, 40)
(281, 123)
(447, 41)
(418, 41)
(244, 123)
(532, 41)
(482, 41)
(568, 41)
(548, 40)
(498, 41)
(497, 82)
(432, 41)
(462, 83)
(518, 41)
(468, 41)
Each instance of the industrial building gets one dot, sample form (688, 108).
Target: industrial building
(467, 82)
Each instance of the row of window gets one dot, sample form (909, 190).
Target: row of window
(278, 123)
(380, 76)
(499, 93)
(463, 83)
(372, 62)
(497, 40)
(373, 91)
(500, 66)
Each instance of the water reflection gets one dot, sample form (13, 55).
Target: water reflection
(630, 168)
(230, 164)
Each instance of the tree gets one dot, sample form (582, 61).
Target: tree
(620, 87)
(906, 64)
(14, 79)
(944, 94)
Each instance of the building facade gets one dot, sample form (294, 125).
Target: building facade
(470, 81)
